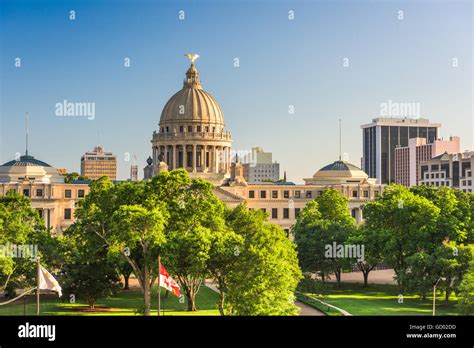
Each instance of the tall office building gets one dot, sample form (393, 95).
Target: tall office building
(98, 163)
(408, 158)
(383, 135)
(259, 167)
(134, 172)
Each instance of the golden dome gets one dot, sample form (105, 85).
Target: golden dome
(192, 104)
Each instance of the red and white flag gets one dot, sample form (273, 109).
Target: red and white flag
(168, 283)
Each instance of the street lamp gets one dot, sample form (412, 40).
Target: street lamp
(434, 294)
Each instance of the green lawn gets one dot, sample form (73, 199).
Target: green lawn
(382, 299)
(125, 303)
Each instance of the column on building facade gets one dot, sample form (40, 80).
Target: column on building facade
(216, 168)
(194, 158)
(154, 156)
(173, 157)
(213, 159)
(175, 151)
(203, 158)
(185, 157)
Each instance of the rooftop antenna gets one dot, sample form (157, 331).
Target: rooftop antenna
(26, 122)
(340, 141)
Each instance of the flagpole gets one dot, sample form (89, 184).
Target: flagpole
(38, 285)
(159, 286)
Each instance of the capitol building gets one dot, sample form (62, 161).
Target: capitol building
(191, 135)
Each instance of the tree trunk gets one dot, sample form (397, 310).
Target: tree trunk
(91, 304)
(146, 290)
(448, 293)
(221, 303)
(126, 283)
(366, 278)
(338, 277)
(192, 303)
(323, 277)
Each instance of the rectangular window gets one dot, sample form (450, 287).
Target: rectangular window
(308, 194)
(251, 194)
(39, 192)
(286, 213)
(67, 214)
(366, 194)
(80, 193)
(26, 192)
(40, 213)
(354, 193)
(297, 212)
(297, 194)
(198, 129)
(181, 129)
(263, 194)
(274, 213)
(286, 194)
(274, 194)
(67, 194)
(190, 129)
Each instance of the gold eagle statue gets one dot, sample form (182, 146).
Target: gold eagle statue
(192, 56)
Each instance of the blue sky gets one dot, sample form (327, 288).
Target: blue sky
(282, 63)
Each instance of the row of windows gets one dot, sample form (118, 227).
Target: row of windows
(286, 212)
(190, 129)
(67, 193)
(308, 194)
(436, 183)
(100, 159)
(434, 175)
(67, 213)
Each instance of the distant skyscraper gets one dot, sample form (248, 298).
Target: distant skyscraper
(98, 163)
(258, 166)
(408, 158)
(383, 135)
(134, 172)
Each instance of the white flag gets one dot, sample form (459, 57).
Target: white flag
(47, 281)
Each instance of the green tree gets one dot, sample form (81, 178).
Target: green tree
(126, 217)
(140, 226)
(406, 223)
(266, 272)
(88, 272)
(20, 225)
(455, 216)
(466, 292)
(373, 246)
(195, 214)
(322, 223)
(224, 255)
(69, 177)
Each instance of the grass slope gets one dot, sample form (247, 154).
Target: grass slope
(382, 299)
(125, 303)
